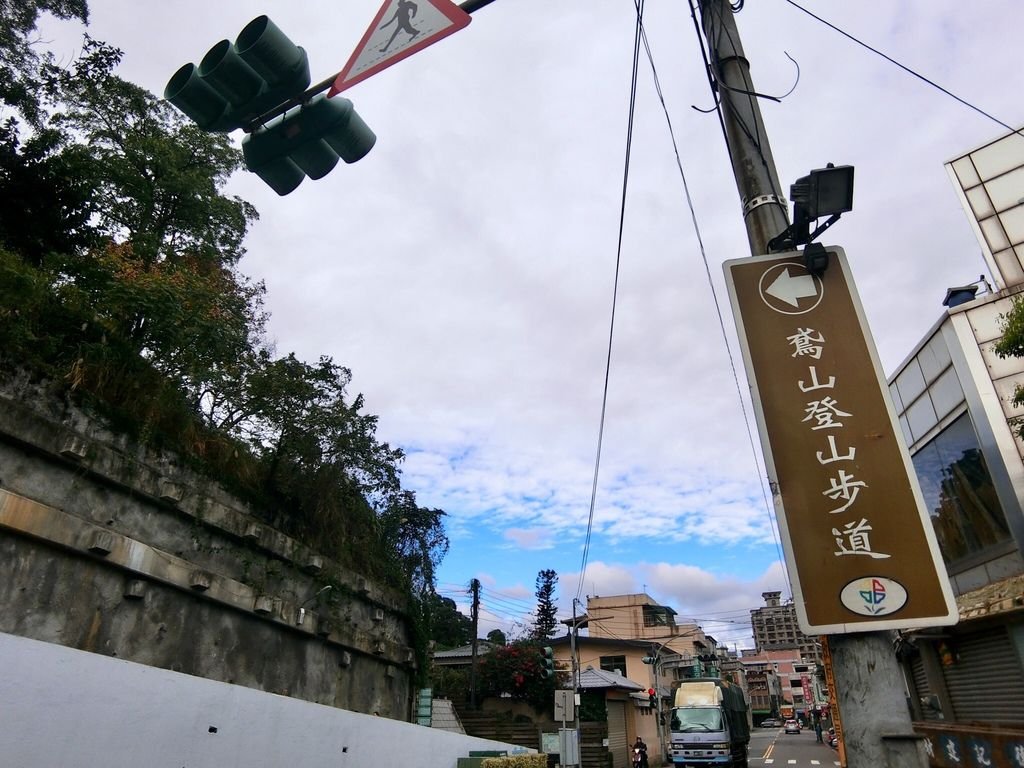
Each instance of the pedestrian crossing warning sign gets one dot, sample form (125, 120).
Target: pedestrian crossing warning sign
(400, 29)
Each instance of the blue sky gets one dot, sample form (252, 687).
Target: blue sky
(463, 270)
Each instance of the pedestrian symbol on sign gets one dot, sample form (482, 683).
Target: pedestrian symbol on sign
(404, 14)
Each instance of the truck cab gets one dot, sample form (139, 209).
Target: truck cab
(709, 725)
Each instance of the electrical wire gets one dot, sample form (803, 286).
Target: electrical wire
(904, 67)
(615, 293)
(707, 271)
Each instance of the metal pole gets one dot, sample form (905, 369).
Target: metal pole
(764, 207)
(575, 683)
(876, 723)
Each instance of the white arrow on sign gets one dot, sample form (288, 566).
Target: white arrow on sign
(791, 288)
(400, 29)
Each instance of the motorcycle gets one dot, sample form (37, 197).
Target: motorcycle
(832, 739)
(639, 758)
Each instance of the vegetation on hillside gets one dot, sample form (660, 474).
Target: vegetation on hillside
(119, 283)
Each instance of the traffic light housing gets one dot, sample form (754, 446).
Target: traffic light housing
(548, 661)
(653, 696)
(307, 141)
(237, 82)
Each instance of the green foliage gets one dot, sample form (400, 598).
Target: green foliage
(592, 707)
(47, 202)
(19, 81)
(545, 618)
(1012, 345)
(516, 761)
(157, 177)
(450, 682)
(517, 670)
(497, 637)
(449, 628)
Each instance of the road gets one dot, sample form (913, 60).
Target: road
(772, 747)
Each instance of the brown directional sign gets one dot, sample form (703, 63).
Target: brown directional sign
(858, 541)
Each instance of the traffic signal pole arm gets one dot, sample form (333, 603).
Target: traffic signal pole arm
(469, 6)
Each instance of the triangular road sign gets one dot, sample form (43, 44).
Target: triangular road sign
(401, 28)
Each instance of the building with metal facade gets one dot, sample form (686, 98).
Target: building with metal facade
(954, 396)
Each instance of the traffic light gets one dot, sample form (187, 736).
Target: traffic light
(260, 73)
(648, 659)
(549, 661)
(653, 695)
(236, 83)
(307, 141)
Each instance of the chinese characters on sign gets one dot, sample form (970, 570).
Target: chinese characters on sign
(823, 414)
(850, 512)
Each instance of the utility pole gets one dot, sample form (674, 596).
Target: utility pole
(876, 726)
(474, 591)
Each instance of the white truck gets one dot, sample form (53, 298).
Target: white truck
(709, 725)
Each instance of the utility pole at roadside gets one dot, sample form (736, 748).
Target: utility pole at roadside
(875, 720)
(474, 591)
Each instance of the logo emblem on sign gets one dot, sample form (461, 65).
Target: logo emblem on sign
(874, 596)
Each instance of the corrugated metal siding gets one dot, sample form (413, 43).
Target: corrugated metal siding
(919, 678)
(618, 745)
(986, 684)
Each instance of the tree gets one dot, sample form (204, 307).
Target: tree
(449, 628)
(517, 670)
(545, 616)
(497, 637)
(19, 62)
(158, 177)
(1012, 345)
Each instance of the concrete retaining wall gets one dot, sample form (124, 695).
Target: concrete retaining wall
(108, 548)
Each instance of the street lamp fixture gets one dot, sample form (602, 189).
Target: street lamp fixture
(823, 192)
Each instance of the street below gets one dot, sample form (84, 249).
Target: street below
(772, 747)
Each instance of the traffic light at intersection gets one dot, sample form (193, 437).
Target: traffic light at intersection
(307, 141)
(549, 661)
(237, 82)
(251, 84)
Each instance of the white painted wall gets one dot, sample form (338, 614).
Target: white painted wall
(68, 708)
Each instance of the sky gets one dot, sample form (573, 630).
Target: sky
(464, 269)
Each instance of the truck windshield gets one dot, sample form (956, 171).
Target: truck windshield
(690, 719)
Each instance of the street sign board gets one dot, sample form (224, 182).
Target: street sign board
(400, 29)
(858, 540)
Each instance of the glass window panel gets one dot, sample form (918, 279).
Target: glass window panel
(958, 492)
(980, 204)
(946, 393)
(895, 395)
(1013, 224)
(1007, 190)
(615, 664)
(999, 157)
(994, 235)
(930, 367)
(938, 348)
(910, 382)
(921, 416)
(964, 169)
(905, 426)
